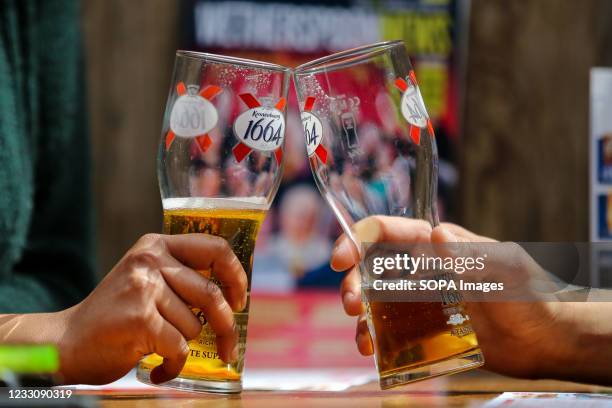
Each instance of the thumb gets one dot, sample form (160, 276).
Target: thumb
(441, 235)
(448, 244)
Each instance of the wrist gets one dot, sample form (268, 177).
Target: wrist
(580, 345)
(39, 329)
(65, 344)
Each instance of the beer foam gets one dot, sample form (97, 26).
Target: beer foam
(230, 203)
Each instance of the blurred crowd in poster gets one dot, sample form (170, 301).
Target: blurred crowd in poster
(296, 240)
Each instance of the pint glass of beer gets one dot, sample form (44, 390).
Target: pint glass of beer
(372, 150)
(220, 161)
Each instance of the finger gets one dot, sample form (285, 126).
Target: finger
(350, 290)
(378, 228)
(442, 234)
(363, 338)
(459, 231)
(344, 255)
(202, 251)
(449, 244)
(203, 293)
(453, 245)
(505, 262)
(172, 346)
(227, 345)
(177, 313)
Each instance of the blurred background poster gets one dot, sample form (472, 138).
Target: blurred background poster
(295, 243)
(601, 176)
(601, 154)
(296, 316)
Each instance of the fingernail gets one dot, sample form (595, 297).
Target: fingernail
(185, 347)
(339, 254)
(348, 297)
(340, 247)
(158, 375)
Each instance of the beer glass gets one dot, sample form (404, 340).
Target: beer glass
(219, 166)
(372, 151)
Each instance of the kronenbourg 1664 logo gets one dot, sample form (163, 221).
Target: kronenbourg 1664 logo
(313, 131)
(259, 128)
(457, 319)
(413, 107)
(193, 115)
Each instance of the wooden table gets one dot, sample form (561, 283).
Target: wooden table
(468, 389)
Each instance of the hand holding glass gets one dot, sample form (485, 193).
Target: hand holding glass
(372, 151)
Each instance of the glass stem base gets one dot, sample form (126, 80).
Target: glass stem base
(190, 384)
(455, 364)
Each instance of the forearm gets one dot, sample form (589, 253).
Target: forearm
(36, 328)
(581, 349)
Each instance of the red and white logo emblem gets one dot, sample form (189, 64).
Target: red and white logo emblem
(313, 131)
(259, 128)
(413, 107)
(193, 115)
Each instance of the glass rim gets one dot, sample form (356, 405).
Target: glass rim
(226, 59)
(340, 59)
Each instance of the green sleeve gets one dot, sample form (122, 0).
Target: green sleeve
(55, 268)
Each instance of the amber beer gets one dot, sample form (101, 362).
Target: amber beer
(238, 222)
(415, 334)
